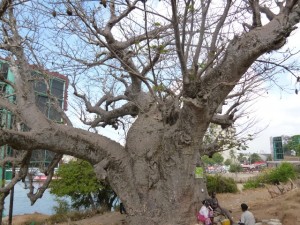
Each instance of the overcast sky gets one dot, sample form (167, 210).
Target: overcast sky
(279, 111)
(279, 115)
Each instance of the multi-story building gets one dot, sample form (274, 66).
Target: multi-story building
(57, 84)
(277, 146)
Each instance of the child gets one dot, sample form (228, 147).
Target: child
(204, 213)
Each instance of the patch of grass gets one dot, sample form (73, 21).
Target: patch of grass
(72, 216)
(33, 222)
(57, 218)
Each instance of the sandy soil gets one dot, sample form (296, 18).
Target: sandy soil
(285, 207)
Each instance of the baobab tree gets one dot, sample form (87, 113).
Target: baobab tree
(166, 67)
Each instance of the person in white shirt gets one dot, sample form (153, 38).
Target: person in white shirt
(247, 217)
(204, 213)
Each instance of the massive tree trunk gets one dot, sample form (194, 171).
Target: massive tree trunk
(161, 187)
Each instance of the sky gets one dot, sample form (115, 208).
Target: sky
(277, 115)
(278, 112)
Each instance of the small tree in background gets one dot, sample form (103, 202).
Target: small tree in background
(207, 160)
(254, 158)
(77, 180)
(293, 144)
(235, 167)
(269, 158)
(241, 158)
(227, 162)
(216, 158)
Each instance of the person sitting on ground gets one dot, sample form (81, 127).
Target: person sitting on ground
(204, 213)
(214, 203)
(247, 217)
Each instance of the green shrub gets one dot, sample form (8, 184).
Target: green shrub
(283, 173)
(255, 182)
(221, 184)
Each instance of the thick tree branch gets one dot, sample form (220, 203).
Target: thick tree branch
(224, 120)
(235, 62)
(64, 139)
(270, 15)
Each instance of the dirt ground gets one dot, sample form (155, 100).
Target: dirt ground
(285, 207)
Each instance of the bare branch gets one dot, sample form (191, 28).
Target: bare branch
(270, 15)
(256, 20)
(180, 54)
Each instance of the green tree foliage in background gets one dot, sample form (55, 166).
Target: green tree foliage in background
(77, 180)
(241, 158)
(254, 158)
(227, 162)
(216, 158)
(207, 160)
(293, 144)
(235, 167)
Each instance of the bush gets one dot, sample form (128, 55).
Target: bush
(221, 184)
(282, 173)
(255, 182)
